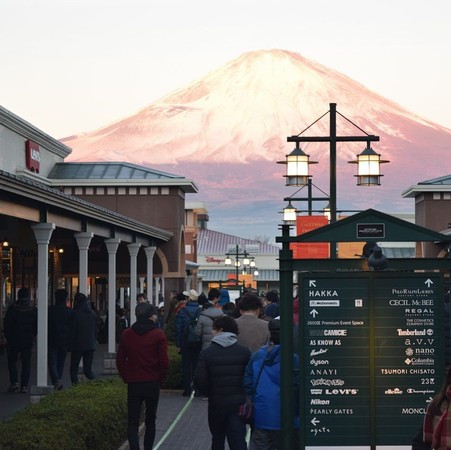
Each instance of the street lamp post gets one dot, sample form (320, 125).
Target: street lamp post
(368, 161)
(248, 261)
(297, 174)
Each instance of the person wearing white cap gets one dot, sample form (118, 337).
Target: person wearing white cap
(193, 295)
(188, 350)
(160, 320)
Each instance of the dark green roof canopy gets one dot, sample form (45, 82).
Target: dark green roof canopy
(370, 225)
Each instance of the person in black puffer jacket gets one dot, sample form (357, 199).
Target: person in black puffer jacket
(82, 337)
(20, 330)
(219, 376)
(58, 336)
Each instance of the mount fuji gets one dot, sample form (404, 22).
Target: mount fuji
(227, 130)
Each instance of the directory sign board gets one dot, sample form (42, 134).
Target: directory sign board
(372, 357)
(409, 353)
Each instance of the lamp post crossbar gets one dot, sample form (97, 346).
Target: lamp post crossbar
(368, 138)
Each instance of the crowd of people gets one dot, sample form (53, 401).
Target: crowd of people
(230, 355)
(223, 345)
(235, 359)
(71, 330)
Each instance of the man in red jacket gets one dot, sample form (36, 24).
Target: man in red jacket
(142, 362)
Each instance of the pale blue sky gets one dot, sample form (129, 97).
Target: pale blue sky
(73, 66)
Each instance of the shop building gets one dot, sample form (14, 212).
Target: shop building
(108, 230)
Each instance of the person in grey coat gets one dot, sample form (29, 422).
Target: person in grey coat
(204, 325)
(253, 331)
(83, 342)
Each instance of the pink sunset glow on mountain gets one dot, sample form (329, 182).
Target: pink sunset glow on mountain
(227, 130)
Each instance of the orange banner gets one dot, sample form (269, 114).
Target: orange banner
(248, 280)
(314, 250)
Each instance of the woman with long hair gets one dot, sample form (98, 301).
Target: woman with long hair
(437, 422)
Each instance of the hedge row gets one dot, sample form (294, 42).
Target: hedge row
(91, 415)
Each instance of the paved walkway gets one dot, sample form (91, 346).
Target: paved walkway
(181, 422)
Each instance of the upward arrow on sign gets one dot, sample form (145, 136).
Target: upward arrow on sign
(429, 282)
(312, 283)
(314, 313)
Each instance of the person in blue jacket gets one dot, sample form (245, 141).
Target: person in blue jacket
(262, 384)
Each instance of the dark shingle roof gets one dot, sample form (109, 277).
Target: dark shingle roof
(106, 171)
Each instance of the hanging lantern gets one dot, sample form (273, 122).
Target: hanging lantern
(289, 213)
(368, 167)
(297, 163)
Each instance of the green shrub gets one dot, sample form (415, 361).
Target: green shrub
(169, 330)
(90, 415)
(174, 376)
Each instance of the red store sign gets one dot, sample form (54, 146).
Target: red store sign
(32, 156)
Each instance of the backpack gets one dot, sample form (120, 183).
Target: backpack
(189, 330)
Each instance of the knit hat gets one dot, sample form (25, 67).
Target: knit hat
(23, 296)
(145, 310)
(272, 296)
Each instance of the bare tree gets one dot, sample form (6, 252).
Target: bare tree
(263, 239)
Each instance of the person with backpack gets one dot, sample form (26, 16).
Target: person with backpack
(188, 342)
(204, 327)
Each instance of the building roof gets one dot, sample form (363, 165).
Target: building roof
(441, 184)
(56, 199)
(215, 242)
(25, 129)
(70, 173)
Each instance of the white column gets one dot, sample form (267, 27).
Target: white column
(43, 233)
(188, 280)
(83, 241)
(157, 288)
(141, 284)
(111, 246)
(163, 289)
(133, 250)
(121, 297)
(150, 252)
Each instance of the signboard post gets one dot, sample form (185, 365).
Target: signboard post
(372, 357)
